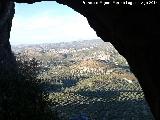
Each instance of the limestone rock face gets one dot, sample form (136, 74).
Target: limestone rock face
(134, 32)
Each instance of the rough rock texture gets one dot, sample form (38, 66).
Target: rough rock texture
(7, 60)
(134, 31)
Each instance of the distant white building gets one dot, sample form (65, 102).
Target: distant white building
(104, 57)
(63, 51)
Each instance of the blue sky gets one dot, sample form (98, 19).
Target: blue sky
(48, 22)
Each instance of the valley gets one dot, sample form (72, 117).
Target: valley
(87, 79)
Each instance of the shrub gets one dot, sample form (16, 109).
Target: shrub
(22, 96)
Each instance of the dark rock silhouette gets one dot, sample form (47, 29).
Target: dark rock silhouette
(82, 116)
(133, 30)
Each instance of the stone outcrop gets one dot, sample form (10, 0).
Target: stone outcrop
(134, 31)
(7, 60)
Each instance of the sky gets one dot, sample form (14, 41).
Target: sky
(48, 22)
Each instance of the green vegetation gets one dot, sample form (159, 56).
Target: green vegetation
(22, 97)
(88, 78)
(103, 97)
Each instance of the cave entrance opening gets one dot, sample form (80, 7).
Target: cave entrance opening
(85, 78)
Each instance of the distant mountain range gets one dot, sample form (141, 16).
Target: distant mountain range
(63, 45)
(85, 50)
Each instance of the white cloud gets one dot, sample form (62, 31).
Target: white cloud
(48, 28)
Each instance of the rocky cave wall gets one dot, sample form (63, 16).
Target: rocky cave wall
(7, 60)
(133, 30)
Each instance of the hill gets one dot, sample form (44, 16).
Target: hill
(88, 77)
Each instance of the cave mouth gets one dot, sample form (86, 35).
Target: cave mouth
(48, 22)
(124, 97)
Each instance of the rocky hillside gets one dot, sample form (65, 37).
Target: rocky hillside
(89, 79)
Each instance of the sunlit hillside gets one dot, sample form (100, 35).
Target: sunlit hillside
(88, 79)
